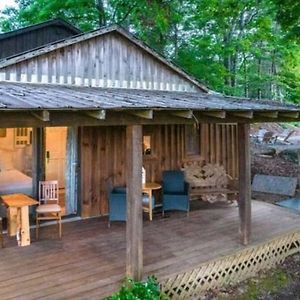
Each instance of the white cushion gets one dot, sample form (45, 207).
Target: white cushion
(48, 208)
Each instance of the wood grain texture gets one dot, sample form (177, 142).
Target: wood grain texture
(244, 183)
(89, 261)
(134, 224)
(35, 36)
(103, 155)
(108, 60)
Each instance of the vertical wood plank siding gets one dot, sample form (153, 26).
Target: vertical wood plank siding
(108, 60)
(24, 41)
(103, 155)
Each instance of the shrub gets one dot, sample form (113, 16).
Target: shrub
(136, 290)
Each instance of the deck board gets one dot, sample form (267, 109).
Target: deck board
(89, 261)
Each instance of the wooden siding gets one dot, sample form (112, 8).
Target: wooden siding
(26, 41)
(103, 155)
(109, 60)
(218, 145)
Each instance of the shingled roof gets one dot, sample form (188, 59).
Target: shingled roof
(25, 96)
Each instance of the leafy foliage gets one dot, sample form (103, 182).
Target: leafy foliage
(134, 290)
(239, 47)
(288, 15)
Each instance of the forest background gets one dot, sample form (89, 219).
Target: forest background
(246, 48)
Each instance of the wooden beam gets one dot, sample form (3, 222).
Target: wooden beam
(96, 114)
(42, 115)
(38, 158)
(216, 114)
(134, 225)
(76, 118)
(244, 183)
(292, 114)
(187, 114)
(145, 113)
(268, 114)
(243, 114)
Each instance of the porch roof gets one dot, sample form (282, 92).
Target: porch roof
(30, 97)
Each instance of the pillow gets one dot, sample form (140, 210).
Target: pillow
(6, 161)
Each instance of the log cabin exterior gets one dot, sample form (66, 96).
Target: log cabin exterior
(110, 89)
(28, 38)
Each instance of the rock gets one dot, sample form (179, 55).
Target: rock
(280, 185)
(290, 155)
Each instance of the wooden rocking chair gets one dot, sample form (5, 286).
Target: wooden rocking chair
(48, 208)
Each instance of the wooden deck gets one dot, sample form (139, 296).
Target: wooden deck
(89, 262)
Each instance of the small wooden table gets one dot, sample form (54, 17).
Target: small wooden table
(148, 188)
(18, 216)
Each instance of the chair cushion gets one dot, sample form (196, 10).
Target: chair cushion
(119, 190)
(48, 208)
(173, 181)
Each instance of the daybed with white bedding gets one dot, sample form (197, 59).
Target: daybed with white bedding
(11, 179)
(14, 181)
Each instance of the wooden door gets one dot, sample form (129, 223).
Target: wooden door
(56, 138)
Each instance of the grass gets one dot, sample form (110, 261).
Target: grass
(267, 284)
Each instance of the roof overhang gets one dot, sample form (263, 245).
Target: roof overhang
(57, 105)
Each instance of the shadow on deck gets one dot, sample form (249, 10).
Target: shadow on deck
(89, 261)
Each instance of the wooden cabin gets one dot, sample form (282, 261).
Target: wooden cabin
(28, 38)
(112, 93)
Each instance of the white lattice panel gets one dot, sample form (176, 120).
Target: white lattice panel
(231, 269)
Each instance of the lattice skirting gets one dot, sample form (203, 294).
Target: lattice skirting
(232, 268)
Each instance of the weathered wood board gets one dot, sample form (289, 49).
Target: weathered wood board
(106, 60)
(103, 154)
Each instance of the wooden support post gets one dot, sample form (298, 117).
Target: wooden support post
(298, 152)
(134, 225)
(244, 183)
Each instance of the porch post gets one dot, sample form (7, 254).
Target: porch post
(134, 225)
(244, 183)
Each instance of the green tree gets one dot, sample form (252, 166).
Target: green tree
(288, 15)
(235, 46)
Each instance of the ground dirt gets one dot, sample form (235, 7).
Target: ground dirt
(282, 282)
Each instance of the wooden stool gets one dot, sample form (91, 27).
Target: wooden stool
(1, 233)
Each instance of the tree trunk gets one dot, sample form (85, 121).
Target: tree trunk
(101, 10)
(259, 78)
(246, 88)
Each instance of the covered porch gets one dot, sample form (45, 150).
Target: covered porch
(89, 262)
(109, 126)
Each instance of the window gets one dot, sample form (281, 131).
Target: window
(23, 137)
(147, 145)
(192, 135)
